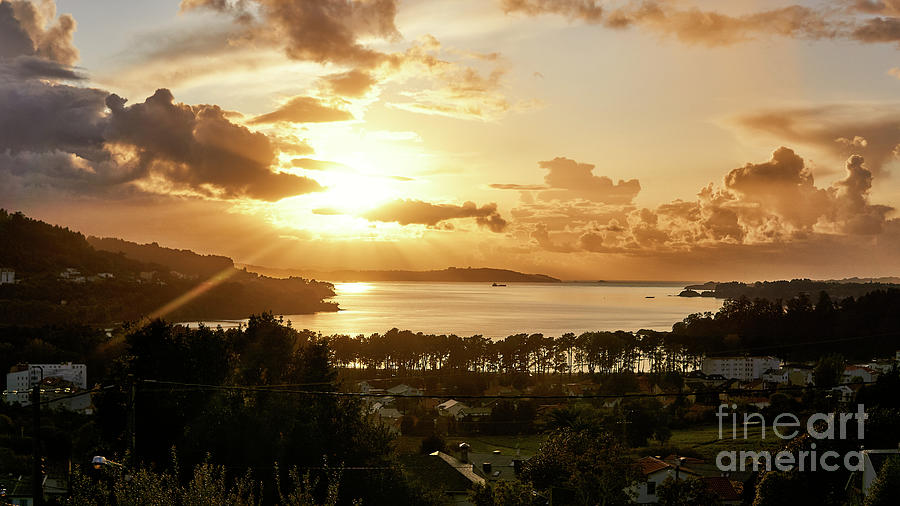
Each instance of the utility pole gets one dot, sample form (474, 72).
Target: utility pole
(132, 421)
(37, 476)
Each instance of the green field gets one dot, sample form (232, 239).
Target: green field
(705, 441)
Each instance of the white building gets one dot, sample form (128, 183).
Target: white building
(654, 471)
(779, 376)
(742, 368)
(452, 408)
(864, 372)
(7, 276)
(23, 377)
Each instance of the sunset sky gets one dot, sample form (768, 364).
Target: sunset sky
(668, 140)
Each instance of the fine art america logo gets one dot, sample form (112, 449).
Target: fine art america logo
(820, 426)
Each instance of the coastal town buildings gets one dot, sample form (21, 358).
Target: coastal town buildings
(744, 368)
(23, 377)
(7, 276)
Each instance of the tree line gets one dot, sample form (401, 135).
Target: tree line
(797, 329)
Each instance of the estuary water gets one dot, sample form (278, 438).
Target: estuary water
(467, 309)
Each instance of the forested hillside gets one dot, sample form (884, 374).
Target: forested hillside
(181, 260)
(61, 278)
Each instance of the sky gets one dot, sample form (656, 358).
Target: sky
(639, 140)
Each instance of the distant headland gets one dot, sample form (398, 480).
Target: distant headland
(785, 290)
(450, 274)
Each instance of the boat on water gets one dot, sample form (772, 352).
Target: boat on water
(497, 284)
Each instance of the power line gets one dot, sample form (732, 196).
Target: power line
(78, 394)
(331, 393)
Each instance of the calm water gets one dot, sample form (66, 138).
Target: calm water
(478, 308)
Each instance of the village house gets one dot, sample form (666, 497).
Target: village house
(654, 471)
(452, 408)
(859, 372)
(777, 375)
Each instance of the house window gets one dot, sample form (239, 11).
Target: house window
(651, 488)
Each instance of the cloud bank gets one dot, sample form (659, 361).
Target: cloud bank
(772, 202)
(863, 21)
(409, 212)
(58, 137)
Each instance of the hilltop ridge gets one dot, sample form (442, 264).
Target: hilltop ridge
(450, 274)
(61, 277)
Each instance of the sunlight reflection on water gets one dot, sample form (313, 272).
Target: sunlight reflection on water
(478, 308)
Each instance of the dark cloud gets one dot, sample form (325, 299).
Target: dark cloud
(587, 10)
(33, 67)
(199, 147)
(520, 187)
(874, 6)
(14, 40)
(303, 110)
(408, 212)
(38, 116)
(713, 28)
(353, 83)
(843, 130)
(324, 31)
(58, 137)
(878, 30)
(48, 36)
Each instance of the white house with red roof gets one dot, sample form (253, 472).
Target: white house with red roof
(865, 372)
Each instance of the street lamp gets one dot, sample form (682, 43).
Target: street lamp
(37, 474)
(100, 462)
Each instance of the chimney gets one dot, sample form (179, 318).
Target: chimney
(464, 452)
(486, 467)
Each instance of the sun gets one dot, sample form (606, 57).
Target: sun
(353, 193)
(338, 212)
(358, 171)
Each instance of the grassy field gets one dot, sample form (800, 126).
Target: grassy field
(705, 441)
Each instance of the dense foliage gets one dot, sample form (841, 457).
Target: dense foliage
(295, 429)
(786, 290)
